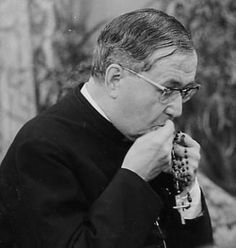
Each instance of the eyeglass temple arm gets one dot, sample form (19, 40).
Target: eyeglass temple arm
(146, 79)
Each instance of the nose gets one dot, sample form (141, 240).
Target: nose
(175, 107)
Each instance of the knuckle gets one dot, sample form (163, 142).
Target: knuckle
(171, 124)
(176, 148)
(166, 150)
(198, 156)
(198, 147)
(195, 167)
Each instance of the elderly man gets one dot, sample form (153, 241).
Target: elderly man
(103, 167)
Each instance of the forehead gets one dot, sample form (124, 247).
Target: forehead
(172, 54)
(169, 64)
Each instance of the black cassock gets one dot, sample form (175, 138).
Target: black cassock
(61, 186)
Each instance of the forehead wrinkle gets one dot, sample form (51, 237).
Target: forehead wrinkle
(152, 62)
(179, 72)
(179, 67)
(177, 76)
(176, 60)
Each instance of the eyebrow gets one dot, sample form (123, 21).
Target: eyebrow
(178, 85)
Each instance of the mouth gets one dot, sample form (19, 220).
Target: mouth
(152, 128)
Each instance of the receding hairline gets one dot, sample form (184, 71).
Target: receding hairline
(165, 53)
(116, 48)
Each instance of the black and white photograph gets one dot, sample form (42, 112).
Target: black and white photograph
(117, 123)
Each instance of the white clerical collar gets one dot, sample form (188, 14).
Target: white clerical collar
(86, 94)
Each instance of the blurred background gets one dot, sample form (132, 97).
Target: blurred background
(46, 48)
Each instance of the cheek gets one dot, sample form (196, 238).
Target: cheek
(141, 108)
(144, 111)
(154, 111)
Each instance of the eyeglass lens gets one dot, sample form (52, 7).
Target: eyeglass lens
(171, 94)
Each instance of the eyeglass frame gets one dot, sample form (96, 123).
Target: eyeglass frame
(161, 87)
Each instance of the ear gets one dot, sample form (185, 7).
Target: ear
(113, 77)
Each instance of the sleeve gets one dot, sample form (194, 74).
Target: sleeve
(53, 211)
(195, 209)
(195, 232)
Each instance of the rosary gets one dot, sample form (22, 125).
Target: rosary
(180, 168)
(182, 179)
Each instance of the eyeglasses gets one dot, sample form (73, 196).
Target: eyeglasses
(168, 93)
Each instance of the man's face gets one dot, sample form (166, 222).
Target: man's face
(139, 102)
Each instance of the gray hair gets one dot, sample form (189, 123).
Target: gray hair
(130, 39)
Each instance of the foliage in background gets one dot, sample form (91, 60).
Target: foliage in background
(72, 48)
(209, 117)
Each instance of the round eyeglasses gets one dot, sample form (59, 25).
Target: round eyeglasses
(168, 94)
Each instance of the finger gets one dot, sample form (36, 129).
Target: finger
(183, 166)
(162, 134)
(184, 173)
(186, 140)
(167, 130)
(187, 152)
(168, 166)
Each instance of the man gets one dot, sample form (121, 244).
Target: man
(95, 169)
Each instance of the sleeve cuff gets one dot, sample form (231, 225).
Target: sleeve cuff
(195, 209)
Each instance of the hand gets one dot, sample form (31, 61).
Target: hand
(151, 153)
(189, 151)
